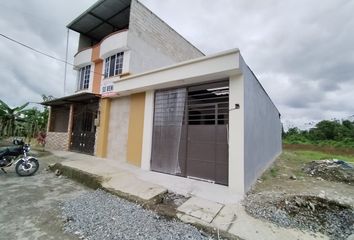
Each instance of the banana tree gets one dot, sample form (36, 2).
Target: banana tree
(10, 117)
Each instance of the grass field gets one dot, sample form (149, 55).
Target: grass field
(290, 162)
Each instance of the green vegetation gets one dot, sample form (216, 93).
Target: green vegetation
(334, 133)
(22, 121)
(290, 162)
(314, 155)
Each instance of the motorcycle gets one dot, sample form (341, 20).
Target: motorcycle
(17, 155)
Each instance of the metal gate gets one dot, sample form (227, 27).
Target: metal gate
(84, 130)
(190, 136)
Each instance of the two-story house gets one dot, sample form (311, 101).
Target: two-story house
(147, 96)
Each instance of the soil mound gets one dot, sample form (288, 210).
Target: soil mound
(331, 170)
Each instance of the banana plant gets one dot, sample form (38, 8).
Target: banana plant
(10, 117)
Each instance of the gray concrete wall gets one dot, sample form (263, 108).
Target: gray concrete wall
(118, 129)
(153, 43)
(262, 133)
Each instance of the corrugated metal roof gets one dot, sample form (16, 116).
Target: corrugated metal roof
(103, 18)
(76, 98)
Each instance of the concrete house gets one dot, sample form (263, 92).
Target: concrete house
(148, 97)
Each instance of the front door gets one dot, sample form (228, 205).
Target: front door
(190, 134)
(207, 154)
(84, 130)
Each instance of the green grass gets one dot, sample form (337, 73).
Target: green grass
(314, 155)
(291, 162)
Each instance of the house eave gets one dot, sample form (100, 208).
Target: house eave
(204, 69)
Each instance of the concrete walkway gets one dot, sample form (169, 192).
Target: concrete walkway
(209, 205)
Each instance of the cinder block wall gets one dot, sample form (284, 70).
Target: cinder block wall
(57, 141)
(153, 43)
(118, 129)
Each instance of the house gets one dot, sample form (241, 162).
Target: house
(147, 96)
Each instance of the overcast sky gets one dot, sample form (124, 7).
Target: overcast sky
(301, 51)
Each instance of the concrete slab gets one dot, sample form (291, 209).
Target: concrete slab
(200, 208)
(122, 180)
(226, 217)
(127, 183)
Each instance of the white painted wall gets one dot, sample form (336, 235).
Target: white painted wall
(118, 129)
(236, 135)
(148, 128)
(114, 44)
(203, 69)
(83, 58)
(262, 128)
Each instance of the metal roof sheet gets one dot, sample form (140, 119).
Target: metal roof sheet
(102, 18)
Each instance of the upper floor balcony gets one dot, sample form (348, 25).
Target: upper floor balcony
(110, 45)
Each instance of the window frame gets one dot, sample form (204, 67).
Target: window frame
(113, 65)
(84, 74)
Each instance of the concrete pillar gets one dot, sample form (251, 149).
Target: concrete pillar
(148, 127)
(236, 135)
(136, 128)
(49, 120)
(105, 106)
(70, 124)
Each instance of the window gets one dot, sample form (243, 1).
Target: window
(113, 65)
(84, 78)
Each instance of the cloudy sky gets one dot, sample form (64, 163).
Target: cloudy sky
(301, 51)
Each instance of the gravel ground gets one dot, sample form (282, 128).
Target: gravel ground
(29, 205)
(101, 216)
(303, 212)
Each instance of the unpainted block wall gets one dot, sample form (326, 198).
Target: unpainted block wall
(153, 43)
(262, 131)
(57, 141)
(118, 129)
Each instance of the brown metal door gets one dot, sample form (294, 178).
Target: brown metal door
(190, 132)
(207, 147)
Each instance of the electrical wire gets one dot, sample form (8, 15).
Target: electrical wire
(40, 52)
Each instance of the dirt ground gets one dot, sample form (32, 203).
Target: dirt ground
(29, 205)
(290, 163)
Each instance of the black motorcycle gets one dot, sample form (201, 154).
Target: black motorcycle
(17, 154)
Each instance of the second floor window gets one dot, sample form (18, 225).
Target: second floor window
(113, 65)
(84, 78)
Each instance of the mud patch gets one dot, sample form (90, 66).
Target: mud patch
(304, 212)
(331, 170)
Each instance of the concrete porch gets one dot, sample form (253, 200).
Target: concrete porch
(209, 205)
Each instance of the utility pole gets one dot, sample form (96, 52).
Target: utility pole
(66, 59)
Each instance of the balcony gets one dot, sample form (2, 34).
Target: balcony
(114, 43)
(83, 58)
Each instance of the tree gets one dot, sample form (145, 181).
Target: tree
(10, 117)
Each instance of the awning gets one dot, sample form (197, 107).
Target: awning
(103, 18)
(76, 98)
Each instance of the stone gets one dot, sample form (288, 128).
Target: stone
(312, 206)
(293, 177)
(322, 194)
(57, 172)
(351, 237)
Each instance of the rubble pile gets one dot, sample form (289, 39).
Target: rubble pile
(304, 212)
(331, 170)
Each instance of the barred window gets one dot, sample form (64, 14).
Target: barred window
(84, 78)
(113, 65)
